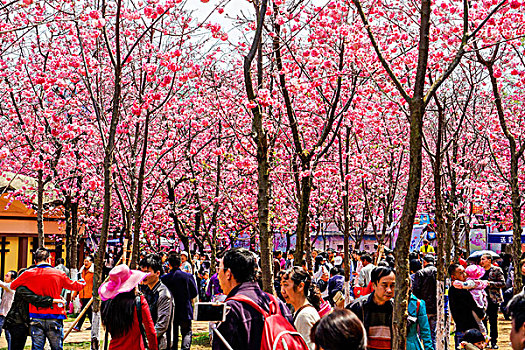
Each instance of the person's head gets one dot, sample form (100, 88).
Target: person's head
(516, 308)
(425, 241)
(174, 259)
(60, 261)
(474, 337)
(151, 263)
(485, 261)
(339, 330)
(277, 254)
(457, 272)
(384, 280)
(10, 276)
(196, 256)
(88, 261)
(41, 255)
(428, 260)
(183, 256)
(314, 253)
(296, 286)
(290, 254)
(237, 266)
(366, 259)
(415, 265)
(522, 266)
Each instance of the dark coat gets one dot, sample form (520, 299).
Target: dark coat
(461, 305)
(424, 287)
(244, 325)
(335, 284)
(19, 312)
(183, 289)
(361, 308)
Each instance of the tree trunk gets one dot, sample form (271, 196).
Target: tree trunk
(108, 163)
(40, 208)
(399, 325)
(302, 220)
(140, 192)
(263, 167)
(74, 237)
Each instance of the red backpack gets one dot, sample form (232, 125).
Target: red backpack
(278, 333)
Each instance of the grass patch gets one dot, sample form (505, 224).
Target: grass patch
(202, 339)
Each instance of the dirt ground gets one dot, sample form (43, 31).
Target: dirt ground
(80, 340)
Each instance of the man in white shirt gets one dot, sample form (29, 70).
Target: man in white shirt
(363, 279)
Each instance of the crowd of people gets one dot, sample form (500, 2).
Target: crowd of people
(312, 308)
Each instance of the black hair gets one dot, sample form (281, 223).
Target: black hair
(297, 275)
(380, 272)
(174, 259)
(473, 336)
(383, 263)
(41, 254)
(366, 257)
(415, 265)
(429, 258)
(118, 313)
(336, 271)
(339, 330)
(242, 264)
(452, 269)
(516, 308)
(13, 273)
(318, 259)
(153, 261)
(60, 261)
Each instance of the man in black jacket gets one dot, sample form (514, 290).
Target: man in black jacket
(183, 289)
(243, 326)
(462, 305)
(425, 288)
(160, 301)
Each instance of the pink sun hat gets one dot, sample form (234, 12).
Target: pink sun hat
(121, 280)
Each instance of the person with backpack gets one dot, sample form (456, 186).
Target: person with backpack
(254, 317)
(125, 314)
(418, 337)
(299, 291)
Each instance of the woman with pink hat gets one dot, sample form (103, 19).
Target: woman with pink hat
(122, 310)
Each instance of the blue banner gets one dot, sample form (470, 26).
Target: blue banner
(502, 237)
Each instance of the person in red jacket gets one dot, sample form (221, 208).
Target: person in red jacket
(43, 279)
(125, 314)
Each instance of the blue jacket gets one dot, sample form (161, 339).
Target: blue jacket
(413, 340)
(183, 288)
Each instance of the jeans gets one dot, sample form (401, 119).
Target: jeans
(432, 320)
(185, 332)
(88, 313)
(458, 337)
(7, 334)
(51, 329)
(492, 316)
(19, 334)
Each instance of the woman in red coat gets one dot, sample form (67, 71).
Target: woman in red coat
(120, 311)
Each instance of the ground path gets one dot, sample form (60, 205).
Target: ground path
(78, 340)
